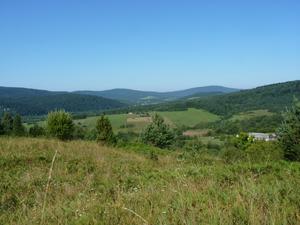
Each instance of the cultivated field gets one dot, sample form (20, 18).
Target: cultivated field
(90, 184)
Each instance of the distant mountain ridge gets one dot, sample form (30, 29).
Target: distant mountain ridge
(274, 98)
(39, 102)
(150, 97)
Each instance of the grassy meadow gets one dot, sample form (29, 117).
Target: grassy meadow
(92, 184)
(136, 123)
(251, 114)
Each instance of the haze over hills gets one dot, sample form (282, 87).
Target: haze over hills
(150, 97)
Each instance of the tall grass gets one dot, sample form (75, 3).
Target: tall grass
(91, 184)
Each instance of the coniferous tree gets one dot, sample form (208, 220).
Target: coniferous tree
(158, 133)
(289, 133)
(18, 128)
(104, 129)
(1, 128)
(7, 123)
(60, 125)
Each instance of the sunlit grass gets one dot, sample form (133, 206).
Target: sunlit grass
(92, 184)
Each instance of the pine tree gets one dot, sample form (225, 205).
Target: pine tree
(158, 133)
(7, 123)
(18, 128)
(60, 125)
(289, 133)
(104, 129)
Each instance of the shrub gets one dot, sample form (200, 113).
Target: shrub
(104, 130)
(262, 151)
(241, 141)
(36, 131)
(212, 145)
(60, 125)
(91, 135)
(289, 133)
(158, 133)
(232, 155)
(195, 146)
(79, 132)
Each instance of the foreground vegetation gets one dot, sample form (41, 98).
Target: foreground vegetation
(157, 177)
(92, 184)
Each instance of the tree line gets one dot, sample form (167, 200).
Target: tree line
(60, 124)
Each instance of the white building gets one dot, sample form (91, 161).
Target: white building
(263, 136)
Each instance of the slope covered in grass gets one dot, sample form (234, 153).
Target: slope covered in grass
(91, 184)
(189, 117)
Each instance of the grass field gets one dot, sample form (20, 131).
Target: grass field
(116, 121)
(190, 117)
(251, 114)
(90, 184)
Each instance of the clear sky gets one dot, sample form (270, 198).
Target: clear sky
(148, 44)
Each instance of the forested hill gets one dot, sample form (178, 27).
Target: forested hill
(39, 102)
(16, 92)
(150, 97)
(273, 97)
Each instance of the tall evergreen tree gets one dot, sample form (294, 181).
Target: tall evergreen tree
(104, 129)
(289, 133)
(7, 123)
(18, 128)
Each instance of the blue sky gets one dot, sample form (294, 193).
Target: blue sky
(148, 45)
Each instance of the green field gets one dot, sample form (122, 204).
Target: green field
(90, 184)
(137, 123)
(190, 117)
(251, 114)
(116, 121)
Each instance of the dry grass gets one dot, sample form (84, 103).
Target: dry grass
(91, 184)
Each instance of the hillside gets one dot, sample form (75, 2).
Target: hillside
(16, 92)
(146, 97)
(38, 102)
(273, 97)
(90, 184)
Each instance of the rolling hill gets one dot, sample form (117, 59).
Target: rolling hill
(273, 97)
(151, 97)
(39, 102)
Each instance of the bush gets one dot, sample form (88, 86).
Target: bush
(241, 141)
(104, 130)
(289, 134)
(36, 131)
(79, 132)
(158, 133)
(60, 125)
(91, 135)
(264, 151)
(232, 155)
(194, 146)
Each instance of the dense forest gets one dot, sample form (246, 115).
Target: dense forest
(42, 104)
(273, 97)
(151, 97)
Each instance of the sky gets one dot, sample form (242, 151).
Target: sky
(158, 45)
